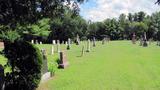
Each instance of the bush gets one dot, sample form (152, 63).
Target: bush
(25, 61)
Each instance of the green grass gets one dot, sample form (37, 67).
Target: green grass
(118, 65)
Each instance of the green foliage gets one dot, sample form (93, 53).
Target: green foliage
(25, 61)
(9, 36)
(41, 28)
(68, 27)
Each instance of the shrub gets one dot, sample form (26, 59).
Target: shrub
(25, 61)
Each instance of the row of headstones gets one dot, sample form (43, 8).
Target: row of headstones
(143, 40)
(36, 42)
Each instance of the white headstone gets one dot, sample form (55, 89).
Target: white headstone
(53, 42)
(58, 46)
(40, 42)
(32, 41)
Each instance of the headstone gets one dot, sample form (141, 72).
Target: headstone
(145, 40)
(63, 63)
(158, 43)
(150, 41)
(69, 42)
(58, 46)
(134, 38)
(44, 62)
(103, 41)
(45, 74)
(66, 43)
(141, 40)
(53, 42)
(32, 41)
(82, 51)
(94, 42)
(77, 40)
(88, 46)
(41, 42)
(37, 42)
(1, 77)
(108, 39)
(52, 52)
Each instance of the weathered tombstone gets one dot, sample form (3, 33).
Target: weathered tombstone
(58, 46)
(108, 39)
(103, 41)
(44, 62)
(32, 41)
(69, 42)
(45, 74)
(53, 42)
(37, 42)
(150, 41)
(141, 40)
(88, 46)
(145, 40)
(1, 77)
(63, 63)
(66, 43)
(77, 40)
(52, 52)
(134, 38)
(82, 51)
(94, 42)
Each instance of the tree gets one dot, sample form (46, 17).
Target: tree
(130, 17)
(68, 27)
(141, 16)
(16, 14)
(25, 61)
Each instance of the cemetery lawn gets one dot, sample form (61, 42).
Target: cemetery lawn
(118, 65)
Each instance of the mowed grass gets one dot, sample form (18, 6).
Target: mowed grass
(118, 65)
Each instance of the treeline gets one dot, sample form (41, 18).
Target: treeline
(121, 28)
(124, 27)
(69, 26)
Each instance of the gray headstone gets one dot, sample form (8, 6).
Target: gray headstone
(37, 42)
(94, 42)
(77, 40)
(145, 44)
(141, 40)
(82, 51)
(69, 42)
(134, 38)
(58, 46)
(44, 62)
(63, 60)
(88, 45)
(103, 41)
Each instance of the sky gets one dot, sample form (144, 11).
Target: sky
(99, 10)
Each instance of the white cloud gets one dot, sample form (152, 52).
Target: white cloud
(113, 8)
